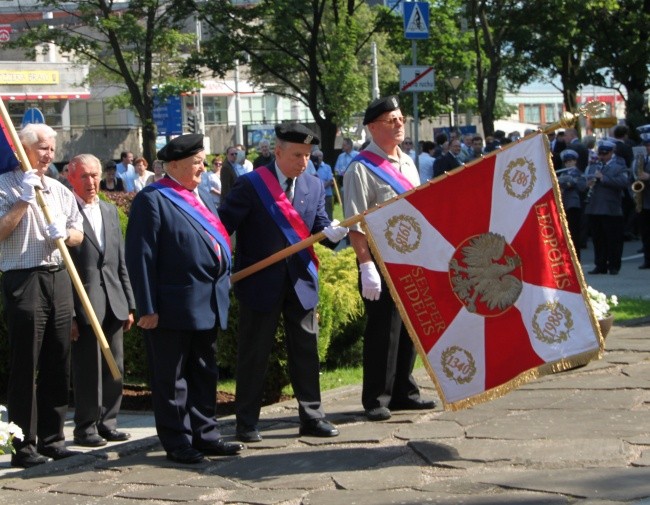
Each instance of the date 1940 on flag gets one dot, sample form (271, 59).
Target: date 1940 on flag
(481, 271)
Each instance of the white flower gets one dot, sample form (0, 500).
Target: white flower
(8, 431)
(600, 304)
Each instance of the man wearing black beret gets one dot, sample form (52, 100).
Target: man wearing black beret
(271, 208)
(377, 174)
(178, 258)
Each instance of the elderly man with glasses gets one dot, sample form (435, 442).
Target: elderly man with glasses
(376, 175)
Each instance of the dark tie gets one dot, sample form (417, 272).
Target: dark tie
(288, 190)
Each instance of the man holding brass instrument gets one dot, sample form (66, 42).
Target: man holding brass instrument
(606, 181)
(642, 199)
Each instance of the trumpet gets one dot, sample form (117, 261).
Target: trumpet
(638, 186)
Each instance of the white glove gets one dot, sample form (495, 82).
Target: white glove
(31, 181)
(334, 232)
(370, 281)
(57, 229)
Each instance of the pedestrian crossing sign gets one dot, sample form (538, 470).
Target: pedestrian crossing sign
(416, 20)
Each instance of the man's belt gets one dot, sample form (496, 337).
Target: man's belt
(57, 267)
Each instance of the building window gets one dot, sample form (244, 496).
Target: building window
(532, 114)
(551, 112)
(215, 110)
(96, 114)
(51, 110)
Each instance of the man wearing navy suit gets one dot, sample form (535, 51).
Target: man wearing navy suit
(178, 257)
(99, 260)
(272, 208)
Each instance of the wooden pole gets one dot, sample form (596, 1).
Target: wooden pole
(67, 260)
(292, 249)
(336, 189)
(567, 120)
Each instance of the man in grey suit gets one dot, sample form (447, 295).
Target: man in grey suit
(99, 260)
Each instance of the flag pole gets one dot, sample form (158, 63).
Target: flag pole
(591, 108)
(67, 259)
(288, 251)
(336, 189)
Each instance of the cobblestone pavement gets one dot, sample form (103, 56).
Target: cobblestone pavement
(580, 437)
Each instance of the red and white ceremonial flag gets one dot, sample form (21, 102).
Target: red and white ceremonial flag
(486, 282)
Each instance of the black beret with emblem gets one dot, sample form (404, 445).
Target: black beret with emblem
(379, 106)
(182, 147)
(296, 133)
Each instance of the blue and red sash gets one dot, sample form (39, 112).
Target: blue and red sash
(383, 169)
(284, 215)
(185, 200)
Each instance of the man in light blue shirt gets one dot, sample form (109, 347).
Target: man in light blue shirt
(126, 171)
(324, 172)
(345, 158)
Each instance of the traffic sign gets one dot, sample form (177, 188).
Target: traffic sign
(416, 20)
(32, 115)
(167, 115)
(416, 78)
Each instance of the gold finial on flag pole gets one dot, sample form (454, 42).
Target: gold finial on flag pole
(568, 119)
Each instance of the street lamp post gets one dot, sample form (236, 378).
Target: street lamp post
(455, 83)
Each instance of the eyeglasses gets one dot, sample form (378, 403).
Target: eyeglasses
(392, 121)
(217, 163)
(408, 142)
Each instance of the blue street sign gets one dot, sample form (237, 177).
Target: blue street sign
(416, 20)
(167, 116)
(32, 116)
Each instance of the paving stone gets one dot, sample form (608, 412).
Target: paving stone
(270, 497)
(169, 493)
(393, 477)
(606, 400)
(24, 485)
(260, 469)
(531, 453)
(409, 497)
(276, 436)
(84, 489)
(602, 483)
(366, 433)
(159, 476)
(566, 425)
(526, 399)
(430, 430)
(212, 481)
(643, 460)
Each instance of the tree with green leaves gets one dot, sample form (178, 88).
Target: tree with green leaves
(312, 51)
(622, 55)
(494, 25)
(136, 45)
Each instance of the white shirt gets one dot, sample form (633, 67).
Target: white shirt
(93, 214)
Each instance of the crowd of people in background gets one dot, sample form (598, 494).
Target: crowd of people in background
(598, 200)
(596, 180)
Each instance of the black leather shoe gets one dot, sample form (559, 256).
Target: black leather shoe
(115, 436)
(613, 271)
(29, 460)
(89, 440)
(248, 435)
(187, 455)
(222, 448)
(378, 414)
(318, 428)
(597, 271)
(413, 405)
(57, 453)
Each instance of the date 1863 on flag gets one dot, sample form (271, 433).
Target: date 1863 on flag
(480, 268)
